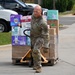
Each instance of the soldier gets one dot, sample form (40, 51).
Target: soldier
(39, 37)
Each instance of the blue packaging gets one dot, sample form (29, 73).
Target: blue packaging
(52, 15)
(28, 41)
(15, 20)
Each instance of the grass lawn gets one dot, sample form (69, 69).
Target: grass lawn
(5, 38)
(73, 9)
(65, 13)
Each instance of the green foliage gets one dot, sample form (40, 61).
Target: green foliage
(73, 9)
(73, 1)
(70, 4)
(47, 4)
(61, 5)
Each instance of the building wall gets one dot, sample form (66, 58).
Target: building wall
(39, 2)
(33, 1)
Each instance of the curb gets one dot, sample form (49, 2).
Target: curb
(5, 45)
(67, 15)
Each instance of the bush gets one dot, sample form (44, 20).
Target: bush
(61, 5)
(47, 4)
(70, 4)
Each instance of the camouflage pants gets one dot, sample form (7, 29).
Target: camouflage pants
(36, 54)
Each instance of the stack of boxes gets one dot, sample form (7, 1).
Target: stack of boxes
(53, 44)
(20, 42)
(26, 24)
(53, 22)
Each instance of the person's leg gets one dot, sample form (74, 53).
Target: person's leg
(37, 55)
(37, 60)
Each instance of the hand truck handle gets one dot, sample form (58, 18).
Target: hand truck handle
(25, 32)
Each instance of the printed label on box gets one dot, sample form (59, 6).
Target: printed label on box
(18, 40)
(26, 24)
(15, 20)
(52, 15)
(52, 24)
(16, 31)
(26, 21)
(18, 36)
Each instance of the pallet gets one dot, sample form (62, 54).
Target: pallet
(28, 55)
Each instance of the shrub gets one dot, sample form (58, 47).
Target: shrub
(61, 5)
(47, 4)
(70, 4)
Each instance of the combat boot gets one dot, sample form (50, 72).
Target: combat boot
(38, 70)
(34, 68)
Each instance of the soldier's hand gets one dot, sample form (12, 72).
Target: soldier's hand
(45, 50)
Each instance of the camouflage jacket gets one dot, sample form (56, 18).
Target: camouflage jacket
(39, 28)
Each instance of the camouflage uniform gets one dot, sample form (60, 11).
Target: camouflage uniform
(39, 38)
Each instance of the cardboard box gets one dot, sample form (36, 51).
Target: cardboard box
(53, 51)
(52, 14)
(19, 40)
(53, 46)
(54, 24)
(53, 39)
(15, 20)
(52, 31)
(19, 51)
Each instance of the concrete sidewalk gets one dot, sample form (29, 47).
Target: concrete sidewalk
(6, 47)
(67, 44)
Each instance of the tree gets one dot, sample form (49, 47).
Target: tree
(54, 1)
(47, 4)
(70, 4)
(61, 5)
